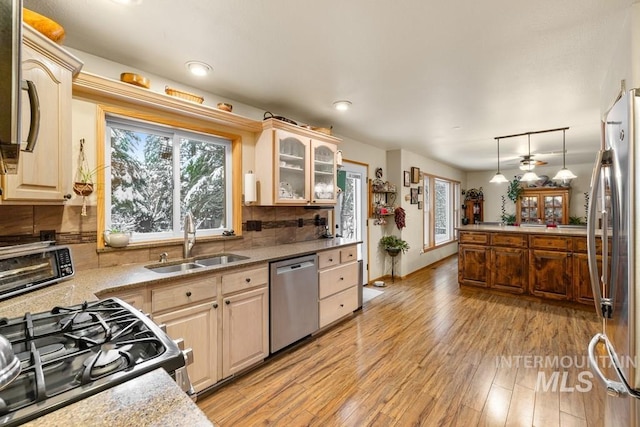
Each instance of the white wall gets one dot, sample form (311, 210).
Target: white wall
(492, 192)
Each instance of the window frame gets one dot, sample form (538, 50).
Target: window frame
(429, 237)
(168, 120)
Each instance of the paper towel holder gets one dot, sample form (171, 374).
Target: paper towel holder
(249, 189)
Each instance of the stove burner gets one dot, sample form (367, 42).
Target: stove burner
(82, 324)
(106, 361)
(77, 318)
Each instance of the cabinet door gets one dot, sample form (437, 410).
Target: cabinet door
(581, 280)
(291, 181)
(197, 325)
(550, 274)
(509, 269)
(44, 174)
(323, 176)
(553, 209)
(245, 330)
(528, 209)
(473, 265)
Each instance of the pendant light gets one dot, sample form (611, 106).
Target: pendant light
(564, 174)
(529, 176)
(498, 178)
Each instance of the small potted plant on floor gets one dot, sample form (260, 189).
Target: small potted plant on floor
(393, 245)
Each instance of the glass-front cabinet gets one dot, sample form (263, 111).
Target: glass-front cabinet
(303, 169)
(543, 206)
(292, 177)
(323, 178)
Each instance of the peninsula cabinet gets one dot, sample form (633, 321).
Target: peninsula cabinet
(543, 206)
(44, 176)
(542, 265)
(295, 166)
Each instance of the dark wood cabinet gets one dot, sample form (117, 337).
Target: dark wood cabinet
(473, 265)
(545, 205)
(581, 281)
(550, 274)
(509, 269)
(474, 210)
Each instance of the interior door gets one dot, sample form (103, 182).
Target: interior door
(350, 214)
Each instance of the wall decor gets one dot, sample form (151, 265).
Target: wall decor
(420, 189)
(420, 204)
(415, 175)
(407, 179)
(414, 196)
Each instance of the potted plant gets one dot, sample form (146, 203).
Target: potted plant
(393, 245)
(116, 238)
(84, 183)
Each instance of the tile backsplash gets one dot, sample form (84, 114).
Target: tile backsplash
(278, 225)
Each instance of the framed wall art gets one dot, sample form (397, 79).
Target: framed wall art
(414, 196)
(420, 189)
(415, 175)
(420, 204)
(407, 179)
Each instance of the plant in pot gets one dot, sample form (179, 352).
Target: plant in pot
(116, 238)
(393, 245)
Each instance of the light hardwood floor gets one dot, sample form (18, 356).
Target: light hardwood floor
(426, 353)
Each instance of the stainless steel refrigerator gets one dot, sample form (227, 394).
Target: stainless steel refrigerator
(611, 222)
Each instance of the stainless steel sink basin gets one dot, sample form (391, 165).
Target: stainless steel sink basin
(220, 259)
(185, 266)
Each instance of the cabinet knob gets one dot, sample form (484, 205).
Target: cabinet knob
(215, 305)
(341, 305)
(67, 196)
(330, 259)
(188, 293)
(342, 278)
(227, 302)
(248, 279)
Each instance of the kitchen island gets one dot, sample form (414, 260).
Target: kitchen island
(153, 398)
(539, 261)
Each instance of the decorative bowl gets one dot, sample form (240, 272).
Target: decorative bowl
(224, 106)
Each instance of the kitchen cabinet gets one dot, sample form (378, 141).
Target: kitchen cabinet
(543, 206)
(189, 308)
(295, 166)
(337, 284)
(245, 319)
(45, 175)
(197, 325)
(474, 210)
(550, 260)
(137, 298)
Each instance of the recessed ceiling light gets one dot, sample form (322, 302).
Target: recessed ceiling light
(198, 68)
(128, 2)
(342, 105)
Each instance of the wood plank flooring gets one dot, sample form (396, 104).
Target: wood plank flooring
(427, 353)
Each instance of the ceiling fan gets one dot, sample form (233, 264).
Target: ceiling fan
(528, 161)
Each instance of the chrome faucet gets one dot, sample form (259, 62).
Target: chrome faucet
(189, 235)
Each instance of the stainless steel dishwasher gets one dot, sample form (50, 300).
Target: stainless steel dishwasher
(293, 296)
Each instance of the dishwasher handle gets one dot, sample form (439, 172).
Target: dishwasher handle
(295, 267)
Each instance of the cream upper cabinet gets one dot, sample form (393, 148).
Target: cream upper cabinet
(45, 175)
(295, 166)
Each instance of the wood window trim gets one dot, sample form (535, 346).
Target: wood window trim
(432, 245)
(176, 121)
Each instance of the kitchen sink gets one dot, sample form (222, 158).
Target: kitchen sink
(185, 266)
(221, 259)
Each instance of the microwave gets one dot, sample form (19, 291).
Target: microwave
(24, 268)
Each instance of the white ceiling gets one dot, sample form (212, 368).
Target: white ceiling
(439, 78)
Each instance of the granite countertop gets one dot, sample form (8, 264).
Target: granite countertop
(528, 229)
(162, 402)
(152, 399)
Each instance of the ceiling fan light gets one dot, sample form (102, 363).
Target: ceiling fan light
(498, 178)
(564, 174)
(529, 176)
(525, 166)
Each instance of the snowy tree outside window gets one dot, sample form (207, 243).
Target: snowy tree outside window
(158, 174)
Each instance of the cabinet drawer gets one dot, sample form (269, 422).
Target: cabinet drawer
(338, 305)
(337, 279)
(328, 258)
(550, 242)
(246, 279)
(186, 292)
(348, 254)
(473, 237)
(580, 245)
(512, 240)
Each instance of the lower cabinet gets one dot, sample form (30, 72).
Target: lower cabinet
(473, 263)
(509, 269)
(581, 280)
(550, 274)
(197, 325)
(337, 284)
(245, 330)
